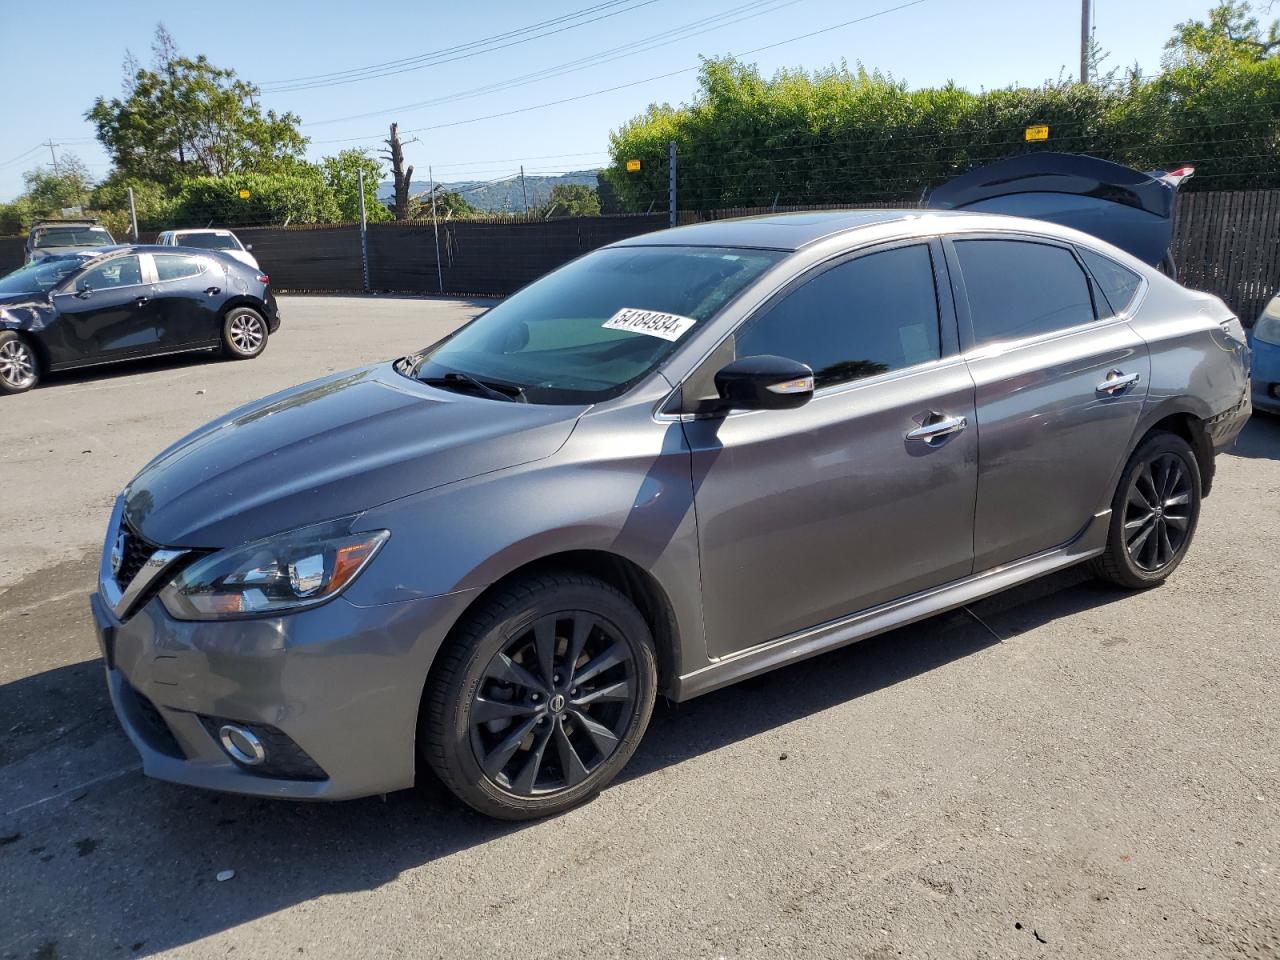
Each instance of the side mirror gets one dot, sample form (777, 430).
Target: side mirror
(764, 383)
(83, 290)
(248, 246)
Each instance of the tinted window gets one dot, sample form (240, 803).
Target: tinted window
(208, 241)
(118, 272)
(170, 267)
(1118, 283)
(870, 315)
(1020, 289)
(72, 237)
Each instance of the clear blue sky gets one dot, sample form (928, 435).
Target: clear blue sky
(976, 43)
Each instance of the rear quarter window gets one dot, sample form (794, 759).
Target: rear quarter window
(1118, 284)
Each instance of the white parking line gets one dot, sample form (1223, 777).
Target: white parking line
(115, 774)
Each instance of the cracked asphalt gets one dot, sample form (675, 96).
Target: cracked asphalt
(1064, 771)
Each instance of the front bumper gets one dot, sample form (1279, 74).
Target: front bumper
(341, 682)
(1266, 376)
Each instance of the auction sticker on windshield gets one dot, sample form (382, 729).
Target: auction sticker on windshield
(668, 326)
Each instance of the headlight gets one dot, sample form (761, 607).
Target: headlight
(280, 574)
(1267, 329)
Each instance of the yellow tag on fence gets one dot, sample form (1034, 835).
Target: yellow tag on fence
(1038, 132)
(633, 166)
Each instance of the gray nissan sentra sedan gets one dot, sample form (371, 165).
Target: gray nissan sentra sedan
(674, 463)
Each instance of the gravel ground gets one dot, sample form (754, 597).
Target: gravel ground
(1064, 771)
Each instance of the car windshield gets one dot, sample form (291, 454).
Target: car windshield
(73, 237)
(593, 328)
(208, 241)
(39, 276)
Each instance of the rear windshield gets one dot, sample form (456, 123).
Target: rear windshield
(208, 241)
(597, 325)
(73, 237)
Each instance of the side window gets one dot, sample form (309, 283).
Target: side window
(175, 266)
(1018, 288)
(1119, 284)
(118, 272)
(867, 316)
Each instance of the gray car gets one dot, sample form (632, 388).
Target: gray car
(677, 462)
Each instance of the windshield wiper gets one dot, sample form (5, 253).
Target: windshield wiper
(455, 377)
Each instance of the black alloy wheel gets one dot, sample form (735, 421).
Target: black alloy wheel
(1153, 513)
(1157, 519)
(540, 697)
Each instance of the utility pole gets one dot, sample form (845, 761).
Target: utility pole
(1086, 35)
(671, 186)
(50, 144)
(523, 191)
(435, 227)
(364, 232)
(133, 216)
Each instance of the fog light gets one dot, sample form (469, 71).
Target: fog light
(241, 745)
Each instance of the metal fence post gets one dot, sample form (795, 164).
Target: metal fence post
(671, 154)
(364, 236)
(133, 216)
(435, 227)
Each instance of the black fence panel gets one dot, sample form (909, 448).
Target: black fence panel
(12, 253)
(402, 257)
(307, 258)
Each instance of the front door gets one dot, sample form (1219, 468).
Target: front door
(1060, 386)
(866, 493)
(107, 312)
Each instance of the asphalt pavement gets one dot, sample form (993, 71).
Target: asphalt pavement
(1065, 770)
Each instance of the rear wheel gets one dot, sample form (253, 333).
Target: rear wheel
(19, 365)
(1153, 514)
(541, 698)
(244, 333)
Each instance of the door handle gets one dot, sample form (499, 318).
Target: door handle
(213, 291)
(1117, 381)
(938, 428)
(140, 300)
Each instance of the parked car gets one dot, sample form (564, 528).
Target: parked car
(1265, 340)
(679, 461)
(223, 240)
(125, 302)
(51, 238)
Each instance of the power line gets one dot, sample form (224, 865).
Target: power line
(460, 52)
(636, 83)
(696, 28)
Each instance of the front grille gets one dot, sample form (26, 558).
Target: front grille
(137, 551)
(283, 758)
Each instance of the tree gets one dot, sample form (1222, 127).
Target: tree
(571, 200)
(1232, 32)
(298, 195)
(449, 205)
(399, 174)
(48, 191)
(342, 173)
(185, 117)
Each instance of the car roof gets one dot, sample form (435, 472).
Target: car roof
(794, 231)
(200, 230)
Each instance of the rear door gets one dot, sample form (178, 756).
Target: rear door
(1060, 384)
(861, 496)
(189, 295)
(107, 312)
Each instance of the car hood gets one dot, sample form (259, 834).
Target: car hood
(327, 449)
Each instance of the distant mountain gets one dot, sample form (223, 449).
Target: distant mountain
(500, 196)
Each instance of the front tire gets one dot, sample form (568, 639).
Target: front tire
(244, 333)
(19, 365)
(1153, 514)
(540, 698)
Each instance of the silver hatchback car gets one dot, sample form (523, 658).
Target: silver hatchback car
(674, 463)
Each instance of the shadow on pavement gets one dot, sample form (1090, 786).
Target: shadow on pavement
(129, 869)
(1260, 438)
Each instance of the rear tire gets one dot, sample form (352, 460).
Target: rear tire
(19, 364)
(1153, 514)
(244, 333)
(540, 697)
